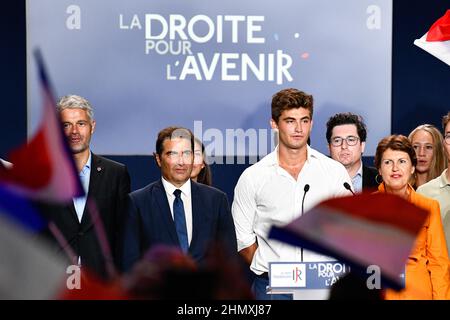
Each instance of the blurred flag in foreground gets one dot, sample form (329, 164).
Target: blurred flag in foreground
(17, 209)
(44, 169)
(366, 229)
(437, 40)
(29, 269)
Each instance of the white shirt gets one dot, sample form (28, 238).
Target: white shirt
(267, 195)
(439, 189)
(185, 197)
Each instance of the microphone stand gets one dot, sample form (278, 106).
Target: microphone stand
(305, 189)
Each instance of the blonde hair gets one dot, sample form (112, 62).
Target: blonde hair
(439, 160)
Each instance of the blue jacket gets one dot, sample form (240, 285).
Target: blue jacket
(149, 222)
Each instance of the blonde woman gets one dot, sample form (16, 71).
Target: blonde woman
(426, 140)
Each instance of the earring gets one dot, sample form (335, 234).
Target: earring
(378, 177)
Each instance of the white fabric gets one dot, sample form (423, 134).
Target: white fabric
(6, 164)
(29, 268)
(439, 49)
(187, 203)
(267, 195)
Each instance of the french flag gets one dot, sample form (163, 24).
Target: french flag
(367, 229)
(437, 40)
(44, 168)
(29, 268)
(19, 210)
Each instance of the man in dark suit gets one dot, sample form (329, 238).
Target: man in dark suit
(346, 136)
(174, 210)
(106, 184)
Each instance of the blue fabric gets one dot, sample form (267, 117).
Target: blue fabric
(357, 182)
(180, 220)
(19, 209)
(150, 222)
(80, 202)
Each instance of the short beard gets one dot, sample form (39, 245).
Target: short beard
(79, 149)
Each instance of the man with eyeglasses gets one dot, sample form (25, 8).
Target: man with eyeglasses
(174, 210)
(346, 136)
(439, 188)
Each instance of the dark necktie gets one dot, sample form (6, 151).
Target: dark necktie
(180, 220)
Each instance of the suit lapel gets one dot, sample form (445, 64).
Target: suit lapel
(164, 211)
(196, 215)
(369, 178)
(73, 212)
(365, 177)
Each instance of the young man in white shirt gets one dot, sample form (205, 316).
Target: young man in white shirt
(282, 186)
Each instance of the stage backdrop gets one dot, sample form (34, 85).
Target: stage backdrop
(212, 66)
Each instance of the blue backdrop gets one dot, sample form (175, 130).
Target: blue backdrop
(212, 67)
(420, 87)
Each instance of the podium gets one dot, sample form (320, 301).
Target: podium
(305, 280)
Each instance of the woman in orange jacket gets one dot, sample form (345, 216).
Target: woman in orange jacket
(427, 273)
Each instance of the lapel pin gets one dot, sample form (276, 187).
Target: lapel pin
(99, 169)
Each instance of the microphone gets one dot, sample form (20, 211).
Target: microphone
(347, 186)
(305, 189)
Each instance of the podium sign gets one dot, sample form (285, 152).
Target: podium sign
(305, 275)
(313, 280)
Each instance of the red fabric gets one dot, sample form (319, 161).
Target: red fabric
(381, 208)
(44, 167)
(440, 30)
(32, 164)
(94, 289)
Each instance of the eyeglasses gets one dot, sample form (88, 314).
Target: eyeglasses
(337, 141)
(447, 138)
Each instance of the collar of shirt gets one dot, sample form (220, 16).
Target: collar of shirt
(443, 181)
(85, 173)
(272, 157)
(87, 167)
(170, 188)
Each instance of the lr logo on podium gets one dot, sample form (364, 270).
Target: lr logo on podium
(297, 274)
